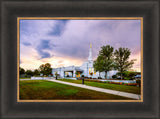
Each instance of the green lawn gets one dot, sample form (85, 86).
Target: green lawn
(124, 88)
(47, 90)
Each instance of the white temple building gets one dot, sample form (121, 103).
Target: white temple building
(85, 69)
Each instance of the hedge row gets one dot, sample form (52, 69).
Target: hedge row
(119, 83)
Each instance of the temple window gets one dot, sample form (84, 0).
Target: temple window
(89, 70)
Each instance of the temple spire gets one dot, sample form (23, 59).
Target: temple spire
(90, 45)
(90, 53)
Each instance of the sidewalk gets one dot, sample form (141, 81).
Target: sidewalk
(119, 93)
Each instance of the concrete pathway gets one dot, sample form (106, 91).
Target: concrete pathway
(119, 93)
(32, 79)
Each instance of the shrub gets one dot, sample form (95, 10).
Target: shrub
(83, 76)
(138, 82)
(127, 75)
(79, 78)
(132, 84)
(99, 77)
(114, 76)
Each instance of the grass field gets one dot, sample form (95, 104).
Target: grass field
(124, 88)
(47, 90)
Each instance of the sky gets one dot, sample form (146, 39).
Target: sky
(67, 42)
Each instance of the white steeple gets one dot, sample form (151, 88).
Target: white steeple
(90, 53)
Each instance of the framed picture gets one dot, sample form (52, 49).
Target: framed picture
(66, 59)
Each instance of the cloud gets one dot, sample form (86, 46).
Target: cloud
(70, 39)
(26, 44)
(58, 28)
(43, 48)
(80, 33)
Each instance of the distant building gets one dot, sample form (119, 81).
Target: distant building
(85, 69)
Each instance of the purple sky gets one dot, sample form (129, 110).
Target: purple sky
(66, 42)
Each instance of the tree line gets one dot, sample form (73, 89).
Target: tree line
(44, 69)
(108, 60)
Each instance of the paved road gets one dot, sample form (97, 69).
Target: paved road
(119, 93)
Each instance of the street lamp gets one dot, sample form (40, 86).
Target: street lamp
(83, 79)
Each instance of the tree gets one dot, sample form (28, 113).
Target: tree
(56, 74)
(29, 73)
(21, 71)
(122, 62)
(36, 72)
(98, 65)
(45, 69)
(106, 58)
(42, 68)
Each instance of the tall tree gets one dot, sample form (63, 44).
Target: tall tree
(98, 65)
(122, 62)
(45, 69)
(42, 68)
(106, 56)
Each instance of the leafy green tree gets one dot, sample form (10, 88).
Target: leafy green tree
(122, 62)
(42, 68)
(36, 72)
(21, 71)
(29, 73)
(107, 59)
(45, 69)
(98, 65)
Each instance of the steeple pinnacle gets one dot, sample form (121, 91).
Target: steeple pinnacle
(90, 45)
